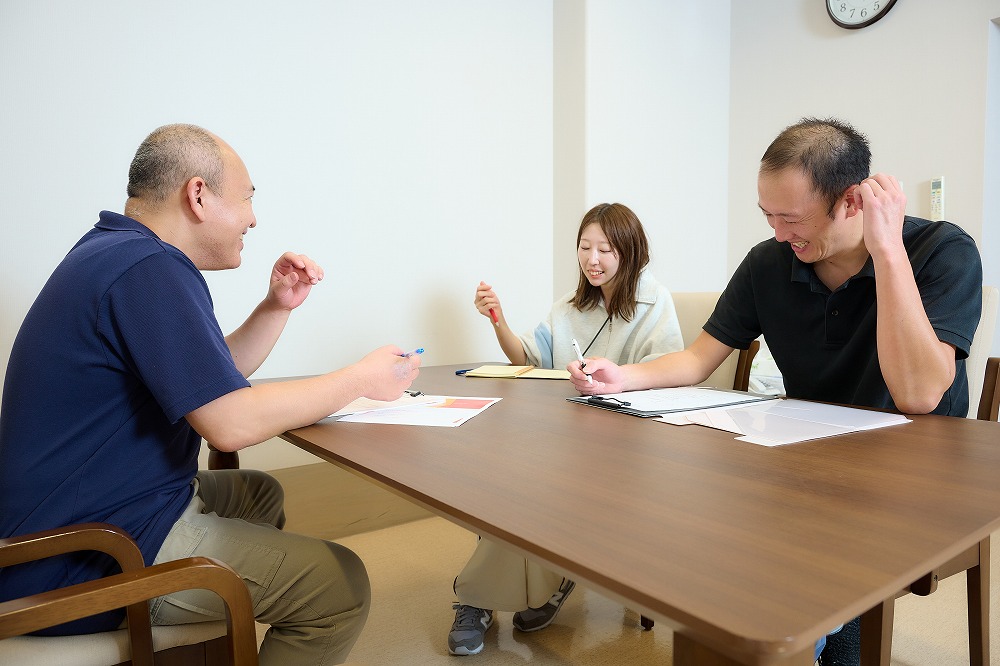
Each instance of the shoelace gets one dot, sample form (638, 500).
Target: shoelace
(468, 616)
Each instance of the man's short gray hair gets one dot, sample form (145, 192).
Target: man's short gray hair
(169, 157)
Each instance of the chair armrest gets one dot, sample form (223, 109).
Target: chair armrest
(27, 614)
(101, 537)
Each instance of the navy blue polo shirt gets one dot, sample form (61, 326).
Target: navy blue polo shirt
(824, 342)
(120, 344)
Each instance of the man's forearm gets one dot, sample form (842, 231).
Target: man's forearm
(252, 415)
(251, 343)
(683, 368)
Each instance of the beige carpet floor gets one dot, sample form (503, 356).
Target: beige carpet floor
(412, 564)
(412, 567)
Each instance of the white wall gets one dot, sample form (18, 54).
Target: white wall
(991, 171)
(915, 82)
(654, 109)
(405, 146)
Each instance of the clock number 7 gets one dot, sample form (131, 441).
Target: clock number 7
(864, 11)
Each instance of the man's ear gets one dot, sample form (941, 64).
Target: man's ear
(195, 190)
(852, 201)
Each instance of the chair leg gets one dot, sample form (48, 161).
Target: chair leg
(646, 623)
(876, 634)
(977, 581)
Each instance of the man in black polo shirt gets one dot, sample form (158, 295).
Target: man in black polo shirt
(858, 303)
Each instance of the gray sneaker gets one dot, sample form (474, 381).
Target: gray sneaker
(469, 629)
(534, 619)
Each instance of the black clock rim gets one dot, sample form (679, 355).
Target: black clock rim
(857, 26)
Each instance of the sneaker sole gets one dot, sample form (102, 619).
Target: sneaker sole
(554, 615)
(464, 651)
(538, 628)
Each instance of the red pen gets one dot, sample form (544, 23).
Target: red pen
(496, 322)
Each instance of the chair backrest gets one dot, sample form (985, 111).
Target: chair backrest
(989, 401)
(693, 310)
(982, 343)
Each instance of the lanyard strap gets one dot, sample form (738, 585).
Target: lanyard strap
(595, 337)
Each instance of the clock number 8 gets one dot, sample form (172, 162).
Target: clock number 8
(864, 12)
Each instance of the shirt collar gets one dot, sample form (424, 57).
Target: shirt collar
(646, 291)
(803, 272)
(110, 221)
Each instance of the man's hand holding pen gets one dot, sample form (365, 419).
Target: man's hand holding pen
(387, 372)
(601, 376)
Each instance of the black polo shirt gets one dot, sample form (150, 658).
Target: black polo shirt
(824, 343)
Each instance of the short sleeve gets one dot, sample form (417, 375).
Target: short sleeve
(949, 275)
(735, 322)
(159, 318)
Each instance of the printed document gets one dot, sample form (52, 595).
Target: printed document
(443, 411)
(786, 421)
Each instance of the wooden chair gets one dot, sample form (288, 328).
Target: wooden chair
(233, 641)
(876, 624)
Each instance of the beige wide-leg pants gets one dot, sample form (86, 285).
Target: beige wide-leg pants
(498, 578)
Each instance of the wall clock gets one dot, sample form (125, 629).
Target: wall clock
(854, 14)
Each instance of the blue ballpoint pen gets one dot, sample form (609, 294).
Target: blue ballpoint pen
(419, 350)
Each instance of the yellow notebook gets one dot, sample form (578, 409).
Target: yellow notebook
(517, 371)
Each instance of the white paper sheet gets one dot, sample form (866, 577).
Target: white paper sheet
(786, 421)
(446, 411)
(362, 405)
(682, 398)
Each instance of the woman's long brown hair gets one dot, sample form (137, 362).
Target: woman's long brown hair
(628, 241)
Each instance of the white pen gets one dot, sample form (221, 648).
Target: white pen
(583, 364)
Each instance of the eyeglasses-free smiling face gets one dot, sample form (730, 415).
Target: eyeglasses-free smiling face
(230, 215)
(598, 259)
(799, 216)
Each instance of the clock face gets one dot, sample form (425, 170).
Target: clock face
(857, 13)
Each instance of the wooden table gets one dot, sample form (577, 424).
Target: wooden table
(749, 553)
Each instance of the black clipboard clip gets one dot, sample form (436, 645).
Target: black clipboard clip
(611, 403)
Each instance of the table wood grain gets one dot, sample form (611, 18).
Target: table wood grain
(754, 552)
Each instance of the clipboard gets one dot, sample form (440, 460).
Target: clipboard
(656, 402)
